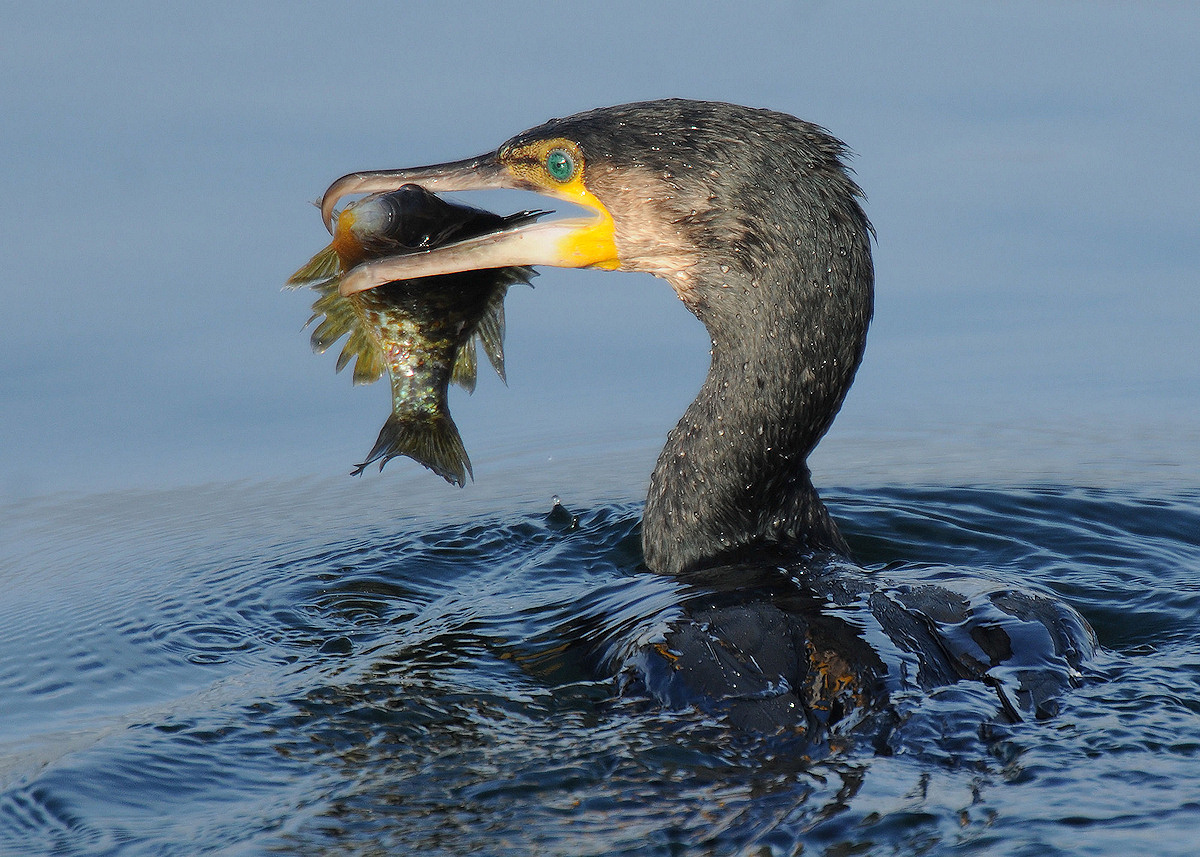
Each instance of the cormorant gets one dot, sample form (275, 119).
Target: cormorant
(751, 216)
(753, 219)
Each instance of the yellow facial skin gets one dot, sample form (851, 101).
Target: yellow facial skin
(591, 246)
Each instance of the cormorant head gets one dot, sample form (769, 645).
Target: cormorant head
(703, 194)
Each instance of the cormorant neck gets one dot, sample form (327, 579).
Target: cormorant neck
(787, 337)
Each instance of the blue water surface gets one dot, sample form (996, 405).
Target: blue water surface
(317, 668)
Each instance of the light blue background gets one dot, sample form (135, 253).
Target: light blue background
(1031, 167)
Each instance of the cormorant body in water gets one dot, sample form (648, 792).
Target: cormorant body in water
(752, 218)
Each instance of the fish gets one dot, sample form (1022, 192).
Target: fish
(421, 332)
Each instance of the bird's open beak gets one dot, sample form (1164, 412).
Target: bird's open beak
(579, 242)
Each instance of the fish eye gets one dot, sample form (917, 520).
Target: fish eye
(560, 165)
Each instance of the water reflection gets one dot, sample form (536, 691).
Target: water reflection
(461, 698)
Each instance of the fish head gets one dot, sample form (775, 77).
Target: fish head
(405, 220)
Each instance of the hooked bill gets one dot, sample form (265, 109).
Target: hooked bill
(421, 331)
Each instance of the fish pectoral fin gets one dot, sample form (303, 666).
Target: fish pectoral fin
(433, 441)
(323, 266)
(465, 367)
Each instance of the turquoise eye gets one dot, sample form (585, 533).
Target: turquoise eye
(560, 165)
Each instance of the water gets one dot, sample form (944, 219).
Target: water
(213, 642)
(317, 668)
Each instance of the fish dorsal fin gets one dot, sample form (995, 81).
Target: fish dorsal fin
(491, 331)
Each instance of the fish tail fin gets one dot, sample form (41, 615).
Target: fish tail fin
(433, 442)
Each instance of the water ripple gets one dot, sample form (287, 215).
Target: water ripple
(211, 680)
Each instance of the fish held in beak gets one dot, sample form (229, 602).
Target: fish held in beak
(421, 331)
